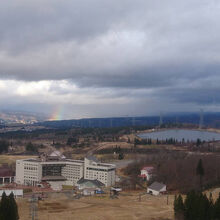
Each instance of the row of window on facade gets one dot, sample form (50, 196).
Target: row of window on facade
(32, 174)
(97, 169)
(30, 168)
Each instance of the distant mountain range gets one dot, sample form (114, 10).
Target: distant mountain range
(210, 119)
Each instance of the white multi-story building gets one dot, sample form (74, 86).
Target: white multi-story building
(103, 172)
(65, 171)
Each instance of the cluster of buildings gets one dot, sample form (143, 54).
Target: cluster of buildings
(155, 188)
(56, 170)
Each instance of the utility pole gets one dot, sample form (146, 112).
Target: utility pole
(201, 119)
(111, 122)
(133, 121)
(161, 119)
(33, 207)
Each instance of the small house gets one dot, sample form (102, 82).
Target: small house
(88, 184)
(146, 173)
(88, 192)
(156, 188)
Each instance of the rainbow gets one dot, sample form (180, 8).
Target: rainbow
(57, 114)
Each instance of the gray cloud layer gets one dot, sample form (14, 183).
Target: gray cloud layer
(129, 47)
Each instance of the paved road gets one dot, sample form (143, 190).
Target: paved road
(122, 163)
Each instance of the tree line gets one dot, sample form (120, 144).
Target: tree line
(133, 150)
(194, 172)
(8, 207)
(180, 171)
(196, 206)
(4, 146)
(172, 141)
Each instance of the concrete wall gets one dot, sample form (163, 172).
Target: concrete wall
(153, 192)
(19, 176)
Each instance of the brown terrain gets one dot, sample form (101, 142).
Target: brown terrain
(127, 206)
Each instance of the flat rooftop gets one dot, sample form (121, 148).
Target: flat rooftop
(38, 160)
(32, 160)
(42, 161)
(105, 165)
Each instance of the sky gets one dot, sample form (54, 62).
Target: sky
(99, 58)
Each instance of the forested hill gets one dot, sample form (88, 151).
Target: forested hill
(210, 120)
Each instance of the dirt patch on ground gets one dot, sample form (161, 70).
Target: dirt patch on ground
(51, 207)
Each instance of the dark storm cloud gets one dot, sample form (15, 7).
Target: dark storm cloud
(168, 47)
(199, 96)
(26, 24)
